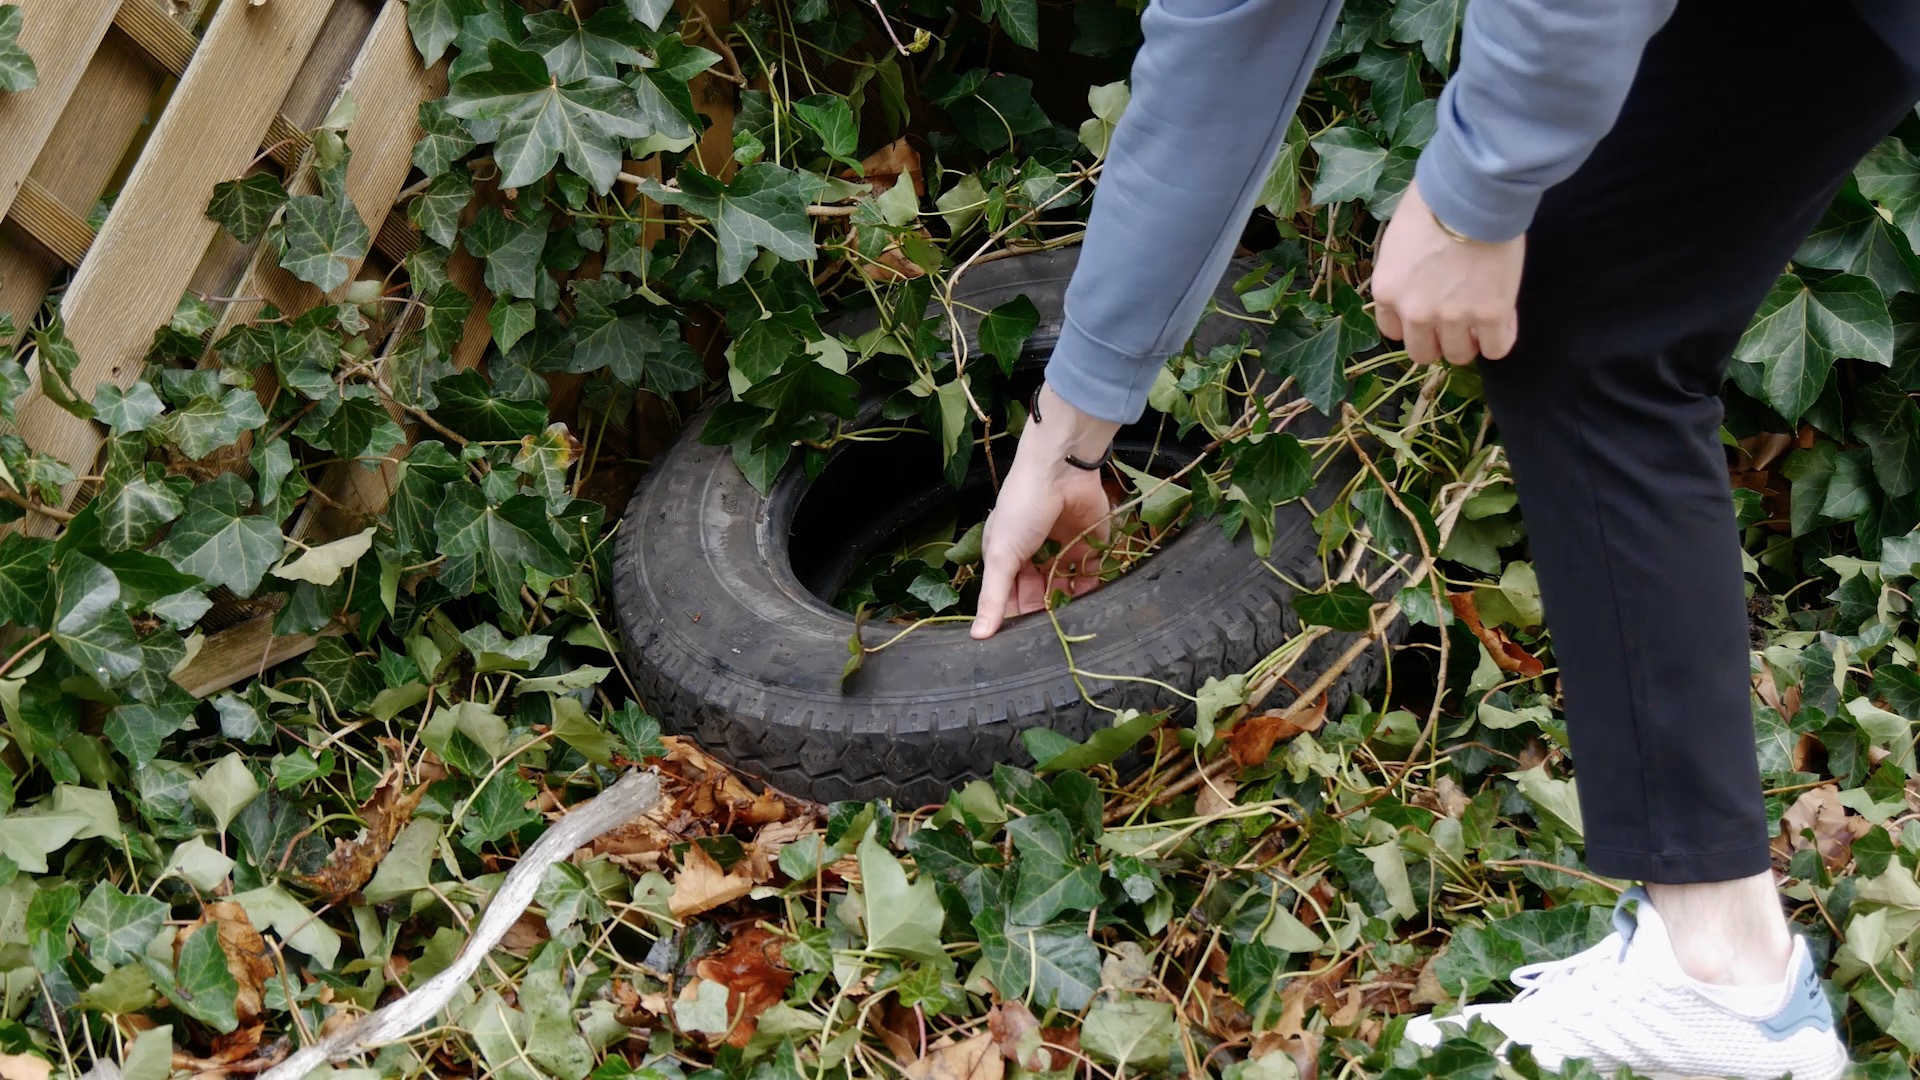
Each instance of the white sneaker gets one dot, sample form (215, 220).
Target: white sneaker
(1625, 1002)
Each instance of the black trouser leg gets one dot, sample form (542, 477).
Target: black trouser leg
(1642, 269)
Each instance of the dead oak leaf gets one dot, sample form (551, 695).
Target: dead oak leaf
(1819, 811)
(353, 861)
(1252, 740)
(702, 886)
(1506, 653)
(976, 1058)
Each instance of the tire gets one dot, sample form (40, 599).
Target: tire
(730, 648)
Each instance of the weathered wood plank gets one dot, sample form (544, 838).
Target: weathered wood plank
(61, 36)
(170, 44)
(242, 651)
(58, 229)
(158, 229)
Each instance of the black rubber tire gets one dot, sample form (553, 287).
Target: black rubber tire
(728, 647)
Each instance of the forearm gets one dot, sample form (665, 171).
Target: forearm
(1214, 88)
(1540, 82)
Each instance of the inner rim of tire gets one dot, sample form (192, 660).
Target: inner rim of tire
(872, 496)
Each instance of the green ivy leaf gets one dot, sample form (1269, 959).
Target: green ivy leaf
(435, 23)
(498, 809)
(1802, 328)
(509, 539)
(200, 984)
(436, 210)
(1476, 957)
(1432, 23)
(510, 321)
(469, 406)
(427, 471)
(17, 72)
(127, 410)
(444, 140)
(831, 118)
(1318, 361)
(619, 332)
(1059, 964)
(512, 249)
(130, 512)
(1129, 1031)
(1854, 238)
(1888, 422)
(244, 207)
(324, 239)
(1004, 330)
(116, 926)
(1019, 18)
(23, 579)
(902, 918)
(1344, 607)
(764, 207)
(219, 542)
(89, 622)
(542, 120)
(650, 12)
(1272, 471)
(1890, 176)
(1351, 162)
(138, 729)
(206, 425)
(578, 49)
(1051, 877)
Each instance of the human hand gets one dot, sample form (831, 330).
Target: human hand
(1443, 296)
(1044, 498)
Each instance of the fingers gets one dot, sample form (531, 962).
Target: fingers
(1387, 318)
(1423, 345)
(1496, 339)
(996, 587)
(1457, 342)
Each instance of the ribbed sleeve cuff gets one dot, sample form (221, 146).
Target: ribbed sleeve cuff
(1465, 198)
(1098, 379)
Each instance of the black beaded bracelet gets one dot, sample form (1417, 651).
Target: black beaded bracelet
(1033, 414)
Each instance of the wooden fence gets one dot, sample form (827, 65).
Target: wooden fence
(148, 104)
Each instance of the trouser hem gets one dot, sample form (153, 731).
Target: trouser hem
(1680, 868)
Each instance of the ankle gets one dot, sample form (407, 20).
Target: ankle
(1729, 933)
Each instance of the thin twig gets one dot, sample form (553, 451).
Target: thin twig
(34, 506)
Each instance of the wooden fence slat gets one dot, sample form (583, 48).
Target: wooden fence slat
(158, 229)
(57, 228)
(240, 652)
(61, 36)
(170, 44)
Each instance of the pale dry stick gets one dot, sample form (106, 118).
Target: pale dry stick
(629, 797)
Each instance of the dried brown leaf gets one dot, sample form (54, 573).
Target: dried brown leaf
(755, 975)
(702, 886)
(353, 861)
(973, 1059)
(1252, 740)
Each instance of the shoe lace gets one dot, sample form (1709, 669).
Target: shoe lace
(1533, 978)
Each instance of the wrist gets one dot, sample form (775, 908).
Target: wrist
(1059, 429)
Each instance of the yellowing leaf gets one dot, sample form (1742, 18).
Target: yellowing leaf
(322, 565)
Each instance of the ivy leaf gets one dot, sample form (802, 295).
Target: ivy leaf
(243, 207)
(1351, 162)
(1432, 23)
(444, 140)
(510, 321)
(435, 23)
(201, 985)
(1318, 361)
(219, 542)
(512, 249)
(137, 729)
(1854, 238)
(1890, 176)
(1344, 607)
(1888, 422)
(436, 210)
(23, 578)
(577, 49)
(764, 207)
(1802, 328)
(206, 425)
(620, 333)
(126, 410)
(89, 622)
(130, 512)
(1004, 330)
(831, 118)
(17, 72)
(989, 109)
(902, 918)
(1275, 470)
(650, 12)
(324, 239)
(427, 471)
(1019, 18)
(469, 406)
(542, 121)
(116, 926)
(509, 539)
(1051, 878)
(1059, 964)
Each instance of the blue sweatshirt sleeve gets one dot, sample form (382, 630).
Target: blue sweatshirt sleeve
(1214, 88)
(1540, 82)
